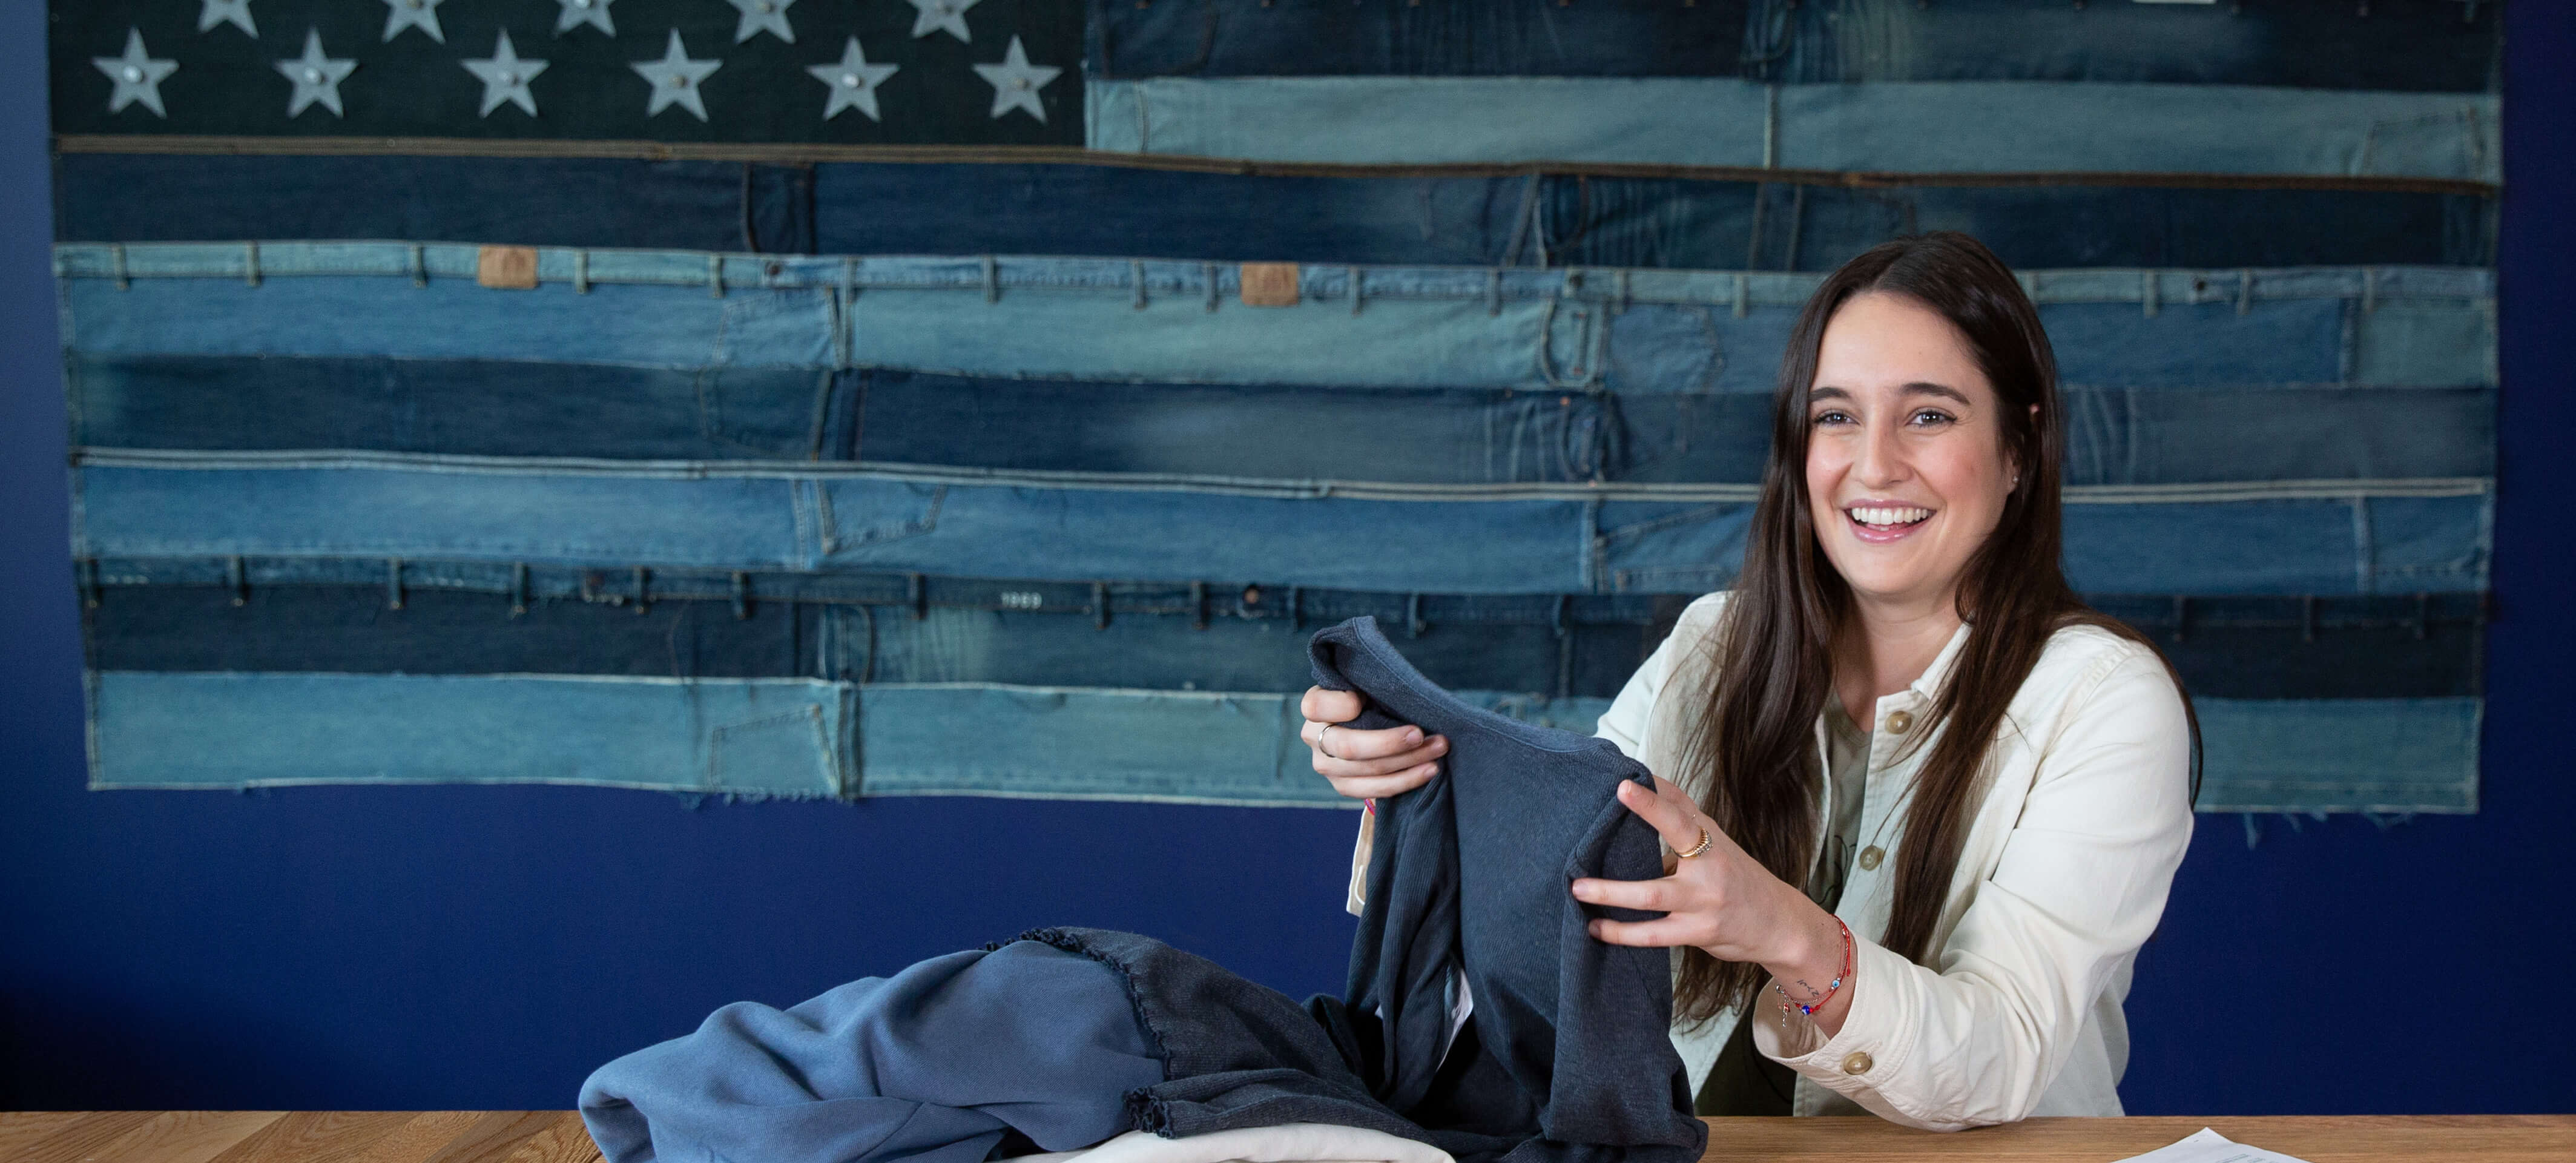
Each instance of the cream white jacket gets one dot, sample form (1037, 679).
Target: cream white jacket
(2064, 873)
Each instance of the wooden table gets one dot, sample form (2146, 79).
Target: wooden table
(557, 1137)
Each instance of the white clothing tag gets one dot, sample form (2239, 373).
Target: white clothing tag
(2209, 1146)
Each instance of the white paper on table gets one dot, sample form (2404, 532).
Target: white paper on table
(2209, 1146)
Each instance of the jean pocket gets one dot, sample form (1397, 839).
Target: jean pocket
(764, 413)
(851, 515)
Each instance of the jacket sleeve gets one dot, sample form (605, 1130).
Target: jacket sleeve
(2080, 883)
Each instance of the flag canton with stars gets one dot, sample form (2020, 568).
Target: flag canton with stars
(963, 72)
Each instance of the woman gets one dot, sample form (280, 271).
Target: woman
(1924, 805)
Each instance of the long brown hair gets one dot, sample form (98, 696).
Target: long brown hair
(1754, 743)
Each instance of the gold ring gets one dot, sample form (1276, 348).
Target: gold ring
(1319, 740)
(1704, 841)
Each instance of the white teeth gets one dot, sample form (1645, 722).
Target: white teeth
(1890, 515)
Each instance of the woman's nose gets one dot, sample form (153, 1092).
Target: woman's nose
(1881, 457)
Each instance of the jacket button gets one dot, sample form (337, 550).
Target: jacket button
(1870, 856)
(1857, 1062)
(1900, 722)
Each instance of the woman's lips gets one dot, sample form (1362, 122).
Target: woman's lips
(1883, 524)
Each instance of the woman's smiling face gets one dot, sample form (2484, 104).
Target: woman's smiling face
(1906, 471)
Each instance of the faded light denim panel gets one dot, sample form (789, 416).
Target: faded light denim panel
(757, 737)
(2362, 755)
(409, 85)
(2124, 436)
(1069, 743)
(2312, 44)
(666, 205)
(2255, 539)
(2394, 646)
(1629, 331)
(1896, 126)
(792, 738)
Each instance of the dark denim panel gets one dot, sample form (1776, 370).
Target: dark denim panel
(413, 86)
(187, 619)
(477, 407)
(1464, 435)
(1227, 38)
(1005, 208)
(595, 202)
(2328, 44)
(1012, 208)
(2410, 45)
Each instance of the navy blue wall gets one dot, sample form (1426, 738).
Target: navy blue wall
(481, 948)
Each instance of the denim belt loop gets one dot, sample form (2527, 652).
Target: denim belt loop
(116, 253)
(1296, 608)
(1209, 270)
(2150, 285)
(250, 261)
(237, 574)
(1494, 291)
(1413, 623)
(2245, 292)
(420, 265)
(742, 596)
(393, 583)
(1136, 283)
(715, 276)
(518, 588)
(992, 279)
(2308, 618)
(917, 595)
(1198, 605)
(87, 573)
(1771, 126)
(1355, 291)
(581, 272)
(643, 591)
(2369, 290)
(1100, 605)
(1622, 307)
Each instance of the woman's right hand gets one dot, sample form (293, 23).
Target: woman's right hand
(1366, 765)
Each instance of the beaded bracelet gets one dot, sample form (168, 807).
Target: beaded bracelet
(1822, 999)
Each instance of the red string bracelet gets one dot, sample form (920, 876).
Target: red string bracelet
(1822, 999)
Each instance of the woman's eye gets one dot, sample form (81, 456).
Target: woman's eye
(1832, 416)
(1932, 416)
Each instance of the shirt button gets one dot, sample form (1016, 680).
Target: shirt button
(1870, 856)
(1857, 1062)
(1900, 722)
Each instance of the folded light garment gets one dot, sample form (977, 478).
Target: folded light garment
(1064, 1039)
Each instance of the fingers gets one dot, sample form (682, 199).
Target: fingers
(1325, 706)
(1381, 747)
(1654, 896)
(1677, 823)
(1663, 933)
(1384, 787)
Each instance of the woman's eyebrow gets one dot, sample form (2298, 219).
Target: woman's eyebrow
(1827, 394)
(1921, 388)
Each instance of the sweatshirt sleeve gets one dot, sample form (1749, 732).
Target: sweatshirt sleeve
(2080, 884)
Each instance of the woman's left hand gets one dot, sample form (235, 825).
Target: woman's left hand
(1722, 901)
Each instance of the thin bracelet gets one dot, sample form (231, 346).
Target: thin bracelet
(1828, 996)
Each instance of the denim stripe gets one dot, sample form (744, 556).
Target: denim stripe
(1635, 332)
(2331, 537)
(791, 738)
(1464, 436)
(759, 737)
(1156, 637)
(673, 205)
(1892, 126)
(1007, 208)
(2313, 44)
(2376, 755)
